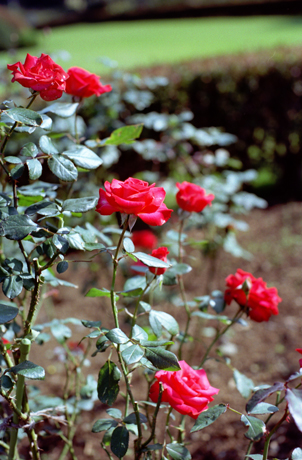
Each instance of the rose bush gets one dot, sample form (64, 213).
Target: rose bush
(134, 196)
(144, 239)
(161, 254)
(188, 391)
(40, 74)
(82, 83)
(261, 301)
(192, 197)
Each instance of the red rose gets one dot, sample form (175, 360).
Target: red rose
(144, 239)
(82, 83)
(161, 254)
(299, 350)
(261, 301)
(40, 74)
(5, 342)
(134, 196)
(192, 197)
(188, 391)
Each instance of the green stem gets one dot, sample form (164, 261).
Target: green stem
(153, 427)
(115, 265)
(219, 334)
(24, 352)
(134, 317)
(182, 291)
(34, 302)
(268, 439)
(10, 132)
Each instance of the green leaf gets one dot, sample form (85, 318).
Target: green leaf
(264, 408)
(208, 417)
(60, 243)
(83, 157)
(13, 160)
(17, 171)
(115, 413)
(108, 387)
(17, 227)
(256, 427)
(136, 282)
(244, 384)
(150, 261)
(116, 335)
(94, 292)
(60, 331)
(159, 319)
(29, 150)
(34, 169)
(47, 146)
(262, 394)
(128, 245)
(91, 324)
(120, 441)
(103, 424)
(12, 286)
(297, 454)
(152, 447)
(201, 314)
(62, 109)
(131, 418)
(124, 135)
(80, 204)
(294, 401)
(178, 452)
(255, 456)
(155, 343)
(29, 370)
(62, 266)
(132, 354)
(181, 269)
(24, 116)
(62, 168)
(7, 312)
(132, 293)
(138, 333)
(162, 359)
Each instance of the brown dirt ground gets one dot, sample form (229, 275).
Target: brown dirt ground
(265, 352)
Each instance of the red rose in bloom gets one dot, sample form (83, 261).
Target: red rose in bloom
(144, 239)
(82, 83)
(262, 302)
(134, 196)
(188, 391)
(40, 74)
(299, 350)
(192, 197)
(161, 254)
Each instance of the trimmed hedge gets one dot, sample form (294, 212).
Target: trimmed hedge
(257, 97)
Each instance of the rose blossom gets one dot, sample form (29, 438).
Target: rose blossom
(192, 197)
(40, 74)
(144, 239)
(82, 83)
(188, 391)
(134, 196)
(262, 302)
(299, 350)
(161, 254)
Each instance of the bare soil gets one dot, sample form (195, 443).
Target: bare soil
(265, 352)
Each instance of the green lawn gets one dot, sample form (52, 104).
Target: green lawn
(143, 43)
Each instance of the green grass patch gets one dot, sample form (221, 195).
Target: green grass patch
(144, 43)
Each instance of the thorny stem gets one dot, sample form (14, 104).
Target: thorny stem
(219, 334)
(34, 301)
(20, 388)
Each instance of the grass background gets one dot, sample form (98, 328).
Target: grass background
(144, 43)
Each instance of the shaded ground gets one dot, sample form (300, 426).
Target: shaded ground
(264, 352)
